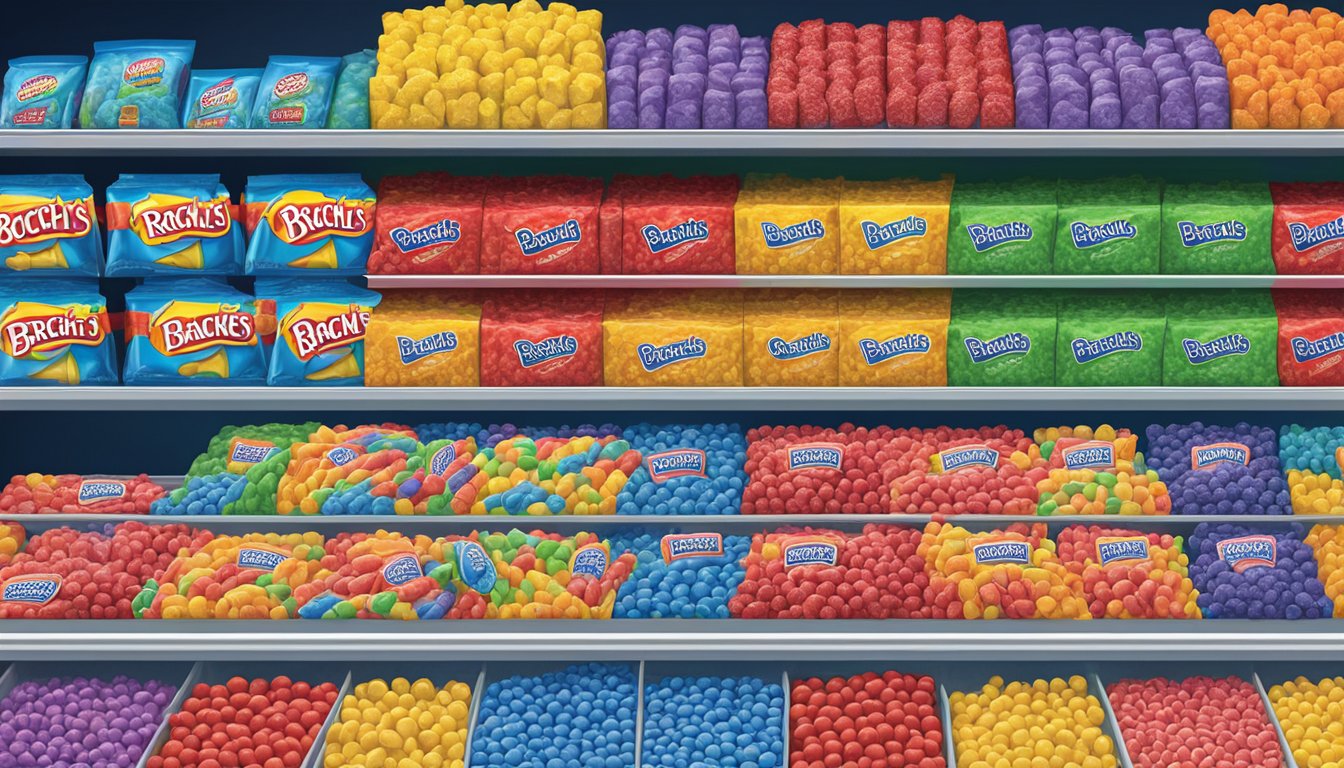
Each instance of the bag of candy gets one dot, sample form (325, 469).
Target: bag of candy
(1109, 227)
(55, 332)
(48, 226)
(1002, 229)
(428, 224)
(1308, 236)
(673, 226)
(673, 339)
(350, 98)
(220, 98)
(192, 332)
(136, 84)
(1311, 338)
(788, 226)
(1107, 339)
(295, 92)
(541, 225)
(896, 227)
(319, 332)
(43, 92)
(1220, 339)
(298, 223)
(540, 339)
(1217, 229)
(171, 224)
(792, 338)
(894, 338)
(1001, 340)
(423, 339)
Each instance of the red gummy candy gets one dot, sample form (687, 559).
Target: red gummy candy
(963, 110)
(997, 111)
(931, 111)
(901, 102)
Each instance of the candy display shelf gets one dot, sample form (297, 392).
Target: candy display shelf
(1068, 282)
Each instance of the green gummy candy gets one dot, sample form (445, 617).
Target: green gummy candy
(546, 549)
(291, 605)
(1107, 479)
(1002, 229)
(554, 589)
(316, 552)
(265, 579)
(554, 566)
(545, 469)
(1072, 487)
(527, 463)
(1001, 340)
(580, 479)
(528, 588)
(443, 574)
(278, 591)
(344, 610)
(1109, 227)
(1047, 448)
(1217, 229)
(438, 505)
(1047, 507)
(491, 467)
(1110, 339)
(1226, 338)
(1090, 491)
(564, 552)
(382, 603)
(517, 538)
(505, 468)
(1113, 505)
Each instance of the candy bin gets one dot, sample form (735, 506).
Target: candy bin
(1301, 44)
(797, 573)
(1002, 229)
(1129, 574)
(687, 469)
(547, 476)
(827, 75)
(423, 339)
(1328, 545)
(541, 225)
(1094, 472)
(36, 493)
(1012, 573)
(896, 227)
(1109, 340)
(378, 576)
(788, 226)
(669, 225)
(685, 575)
(1311, 338)
(1001, 340)
(428, 224)
(1308, 235)
(1219, 470)
(991, 471)
(1243, 572)
(673, 339)
(792, 338)
(894, 338)
(1224, 338)
(541, 339)
(1299, 703)
(694, 714)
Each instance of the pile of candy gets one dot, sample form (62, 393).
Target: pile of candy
(236, 577)
(884, 720)
(1305, 711)
(1312, 460)
(1097, 472)
(687, 470)
(1004, 724)
(953, 74)
(1328, 544)
(1219, 470)
(1129, 574)
(1197, 721)
(702, 720)
(695, 78)
(680, 575)
(401, 721)
(1241, 573)
(1013, 574)
(827, 75)
(384, 575)
(36, 493)
(1283, 65)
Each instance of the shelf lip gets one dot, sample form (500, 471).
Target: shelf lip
(828, 142)
(699, 399)
(1148, 282)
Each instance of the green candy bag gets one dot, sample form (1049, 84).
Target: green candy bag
(999, 339)
(1109, 227)
(1217, 229)
(1221, 338)
(1002, 229)
(1110, 339)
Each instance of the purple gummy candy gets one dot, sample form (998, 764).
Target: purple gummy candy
(1067, 116)
(1127, 50)
(622, 115)
(1064, 88)
(723, 54)
(1087, 45)
(656, 59)
(1212, 90)
(1185, 34)
(686, 87)
(1104, 112)
(692, 31)
(1177, 113)
(1032, 81)
(1032, 106)
(652, 106)
(752, 109)
(683, 115)
(690, 64)
(1056, 56)
(1181, 86)
(1110, 33)
(1025, 30)
(720, 77)
(1140, 113)
(652, 77)
(1167, 74)
(1067, 72)
(1155, 49)
(1159, 33)
(1092, 63)
(1285, 586)
(623, 73)
(1214, 116)
(725, 35)
(1105, 86)
(1168, 60)
(625, 57)
(1203, 55)
(719, 110)
(660, 38)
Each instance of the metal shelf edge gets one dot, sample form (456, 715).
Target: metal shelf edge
(1061, 282)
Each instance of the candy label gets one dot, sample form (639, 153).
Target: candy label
(244, 453)
(32, 589)
(815, 456)
(683, 546)
(881, 235)
(1086, 236)
(1306, 350)
(659, 240)
(1094, 454)
(442, 459)
(589, 560)
(1305, 237)
(986, 238)
(680, 462)
(316, 327)
(474, 566)
(1198, 352)
(982, 351)
(159, 219)
(221, 94)
(1206, 456)
(875, 351)
(533, 244)
(968, 456)
(799, 347)
(653, 357)
(402, 569)
(183, 327)
(793, 234)
(303, 217)
(1086, 350)
(1119, 549)
(144, 73)
(443, 232)
(260, 559)
(290, 85)
(341, 455)
(412, 350)
(24, 222)
(1246, 552)
(33, 87)
(810, 551)
(32, 327)
(1194, 235)
(556, 349)
(94, 491)
(1001, 553)
(31, 116)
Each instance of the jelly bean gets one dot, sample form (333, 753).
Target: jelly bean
(231, 577)
(687, 469)
(36, 493)
(695, 584)
(401, 721)
(894, 719)
(1243, 572)
(1007, 724)
(1129, 574)
(1199, 721)
(1013, 573)
(201, 495)
(1328, 547)
(700, 720)
(81, 721)
(1306, 711)
(1219, 470)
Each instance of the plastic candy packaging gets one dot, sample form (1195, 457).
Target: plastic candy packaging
(136, 84)
(952, 74)
(192, 332)
(1162, 719)
(319, 333)
(792, 338)
(687, 470)
(539, 339)
(172, 224)
(1002, 229)
(1311, 338)
(788, 226)
(350, 97)
(43, 92)
(1223, 338)
(1308, 236)
(300, 223)
(1263, 90)
(680, 575)
(673, 339)
(48, 226)
(1000, 340)
(1129, 574)
(1063, 707)
(1247, 573)
(541, 225)
(896, 227)
(220, 98)
(827, 75)
(895, 338)
(1109, 227)
(423, 339)
(1106, 339)
(754, 710)
(1217, 229)
(1013, 573)
(55, 334)
(295, 92)
(428, 224)
(909, 700)
(1219, 470)
(669, 225)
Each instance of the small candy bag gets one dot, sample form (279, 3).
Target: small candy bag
(423, 339)
(350, 99)
(1220, 339)
(43, 92)
(896, 227)
(428, 224)
(895, 338)
(136, 84)
(541, 225)
(220, 98)
(295, 92)
(1109, 227)
(1308, 237)
(170, 224)
(319, 332)
(792, 338)
(1311, 338)
(48, 226)
(1217, 229)
(306, 222)
(1002, 229)
(669, 225)
(55, 333)
(673, 339)
(1001, 340)
(788, 226)
(192, 332)
(1106, 339)
(539, 339)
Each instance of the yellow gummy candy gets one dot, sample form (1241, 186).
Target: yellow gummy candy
(490, 115)
(590, 116)
(588, 62)
(422, 119)
(554, 85)
(562, 120)
(515, 119)
(491, 86)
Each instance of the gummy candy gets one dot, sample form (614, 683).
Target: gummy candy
(788, 226)
(350, 97)
(43, 91)
(428, 224)
(1283, 67)
(896, 227)
(1107, 339)
(220, 98)
(1109, 227)
(172, 224)
(792, 338)
(1000, 340)
(673, 338)
(680, 575)
(688, 469)
(295, 92)
(136, 84)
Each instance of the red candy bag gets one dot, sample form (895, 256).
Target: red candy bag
(541, 340)
(428, 224)
(1308, 236)
(1311, 338)
(542, 225)
(674, 226)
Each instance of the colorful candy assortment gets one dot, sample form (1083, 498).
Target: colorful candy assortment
(1284, 66)
(1004, 723)
(376, 725)
(1200, 721)
(1242, 572)
(743, 717)
(893, 719)
(1129, 574)
(36, 493)
(1302, 707)
(1012, 573)
(1328, 545)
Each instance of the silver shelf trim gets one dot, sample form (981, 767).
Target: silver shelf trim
(1061, 282)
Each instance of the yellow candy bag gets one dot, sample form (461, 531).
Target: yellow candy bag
(894, 338)
(788, 226)
(896, 227)
(673, 339)
(423, 339)
(791, 338)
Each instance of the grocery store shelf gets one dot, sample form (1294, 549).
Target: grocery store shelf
(563, 640)
(608, 399)
(1062, 282)
(854, 143)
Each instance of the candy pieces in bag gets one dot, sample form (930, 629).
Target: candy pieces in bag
(1217, 229)
(48, 226)
(1109, 227)
(43, 91)
(1001, 340)
(428, 224)
(1311, 338)
(295, 92)
(55, 332)
(1002, 229)
(192, 332)
(541, 225)
(136, 84)
(350, 100)
(172, 224)
(1308, 236)
(1108, 339)
(319, 332)
(220, 98)
(301, 223)
(1221, 339)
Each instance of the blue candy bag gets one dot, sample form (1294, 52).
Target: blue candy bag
(55, 333)
(136, 84)
(350, 102)
(192, 331)
(48, 226)
(43, 91)
(319, 331)
(295, 92)
(172, 224)
(300, 223)
(220, 98)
